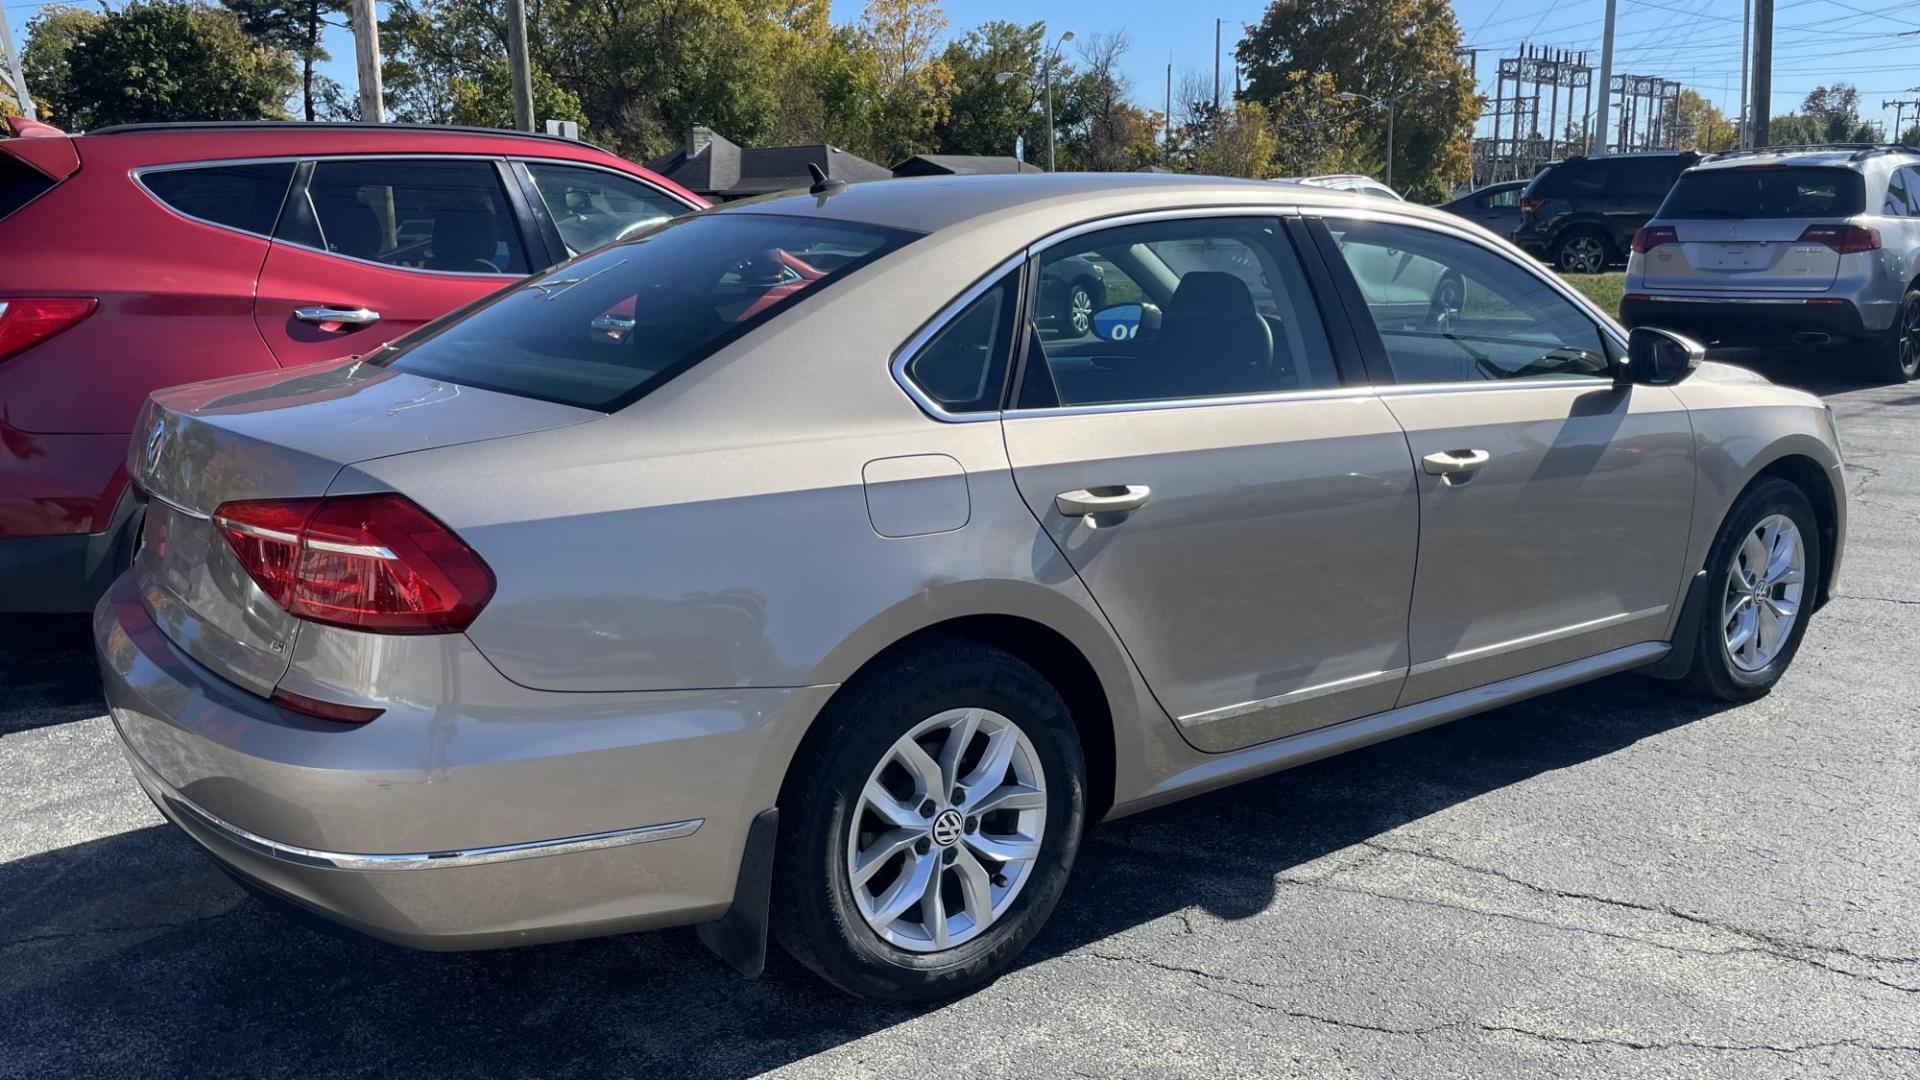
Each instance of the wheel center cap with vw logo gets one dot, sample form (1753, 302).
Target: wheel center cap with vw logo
(947, 828)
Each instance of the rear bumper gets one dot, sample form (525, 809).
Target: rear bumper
(1743, 320)
(65, 573)
(602, 815)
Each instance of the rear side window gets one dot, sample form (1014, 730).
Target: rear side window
(19, 185)
(1903, 196)
(1571, 179)
(1766, 192)
(449, 217)
(605, 329)
(244, 197)
(963, 367)
(590, 207)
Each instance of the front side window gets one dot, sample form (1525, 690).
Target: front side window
(1507, 197)
(244, 197)
(1184, 309)
(602, 331)
(590, 207)
(1766, 191)
(1449, 310)
(449, 217)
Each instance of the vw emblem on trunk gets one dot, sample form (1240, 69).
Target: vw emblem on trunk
(946, 828)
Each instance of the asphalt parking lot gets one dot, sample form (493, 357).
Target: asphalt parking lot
(1607, 881)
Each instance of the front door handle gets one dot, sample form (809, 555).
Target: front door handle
(1456, 462)
(337, 317)
(1102, 500)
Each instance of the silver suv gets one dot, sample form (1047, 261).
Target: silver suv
(1789, 245)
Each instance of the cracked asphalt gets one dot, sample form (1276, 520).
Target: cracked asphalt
(1610, 881)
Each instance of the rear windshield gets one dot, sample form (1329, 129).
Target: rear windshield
(19, 185)
(1766, 192)
(601, 331)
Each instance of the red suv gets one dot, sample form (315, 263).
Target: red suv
(137, 257)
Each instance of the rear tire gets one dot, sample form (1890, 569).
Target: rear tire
(1898, 360)
(832, 821)
(1582, 251)
(1729, 665)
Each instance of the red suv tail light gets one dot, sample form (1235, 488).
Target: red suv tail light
(26, 321)
(1530, 205)
(367, 562)
(1649, 237)
(1845, 239)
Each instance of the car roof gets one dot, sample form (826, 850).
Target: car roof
(1044, 202)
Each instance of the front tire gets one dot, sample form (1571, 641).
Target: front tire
(1762, 575)
(929, 824)
(1076, 311)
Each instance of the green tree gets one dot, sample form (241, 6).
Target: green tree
(1379, 48)
(1241, 143)
(1317, 132)
(1100, 130)
(43, 57)
(295, 27)
(1833, 113)
(1702, 126)
(157, 60)
(912, 86)
(987, 113)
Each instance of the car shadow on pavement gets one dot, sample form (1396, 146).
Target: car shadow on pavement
(47, 672)
(133, 955)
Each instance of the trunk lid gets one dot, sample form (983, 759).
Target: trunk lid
(273, 435)
(1750, 255)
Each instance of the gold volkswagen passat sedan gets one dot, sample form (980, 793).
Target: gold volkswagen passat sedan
(779, 569)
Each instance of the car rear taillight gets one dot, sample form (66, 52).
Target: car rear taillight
(26, 321)
(1845, 239)
(367, 562)
(1649, 237)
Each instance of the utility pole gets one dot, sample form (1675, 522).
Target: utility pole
(1606, 83)
(366, 57)
(517, 65)
(1760, 109)
(16, 77)
(1168, 118)
(1899, 108)
(1746, 61)
(1216, 65)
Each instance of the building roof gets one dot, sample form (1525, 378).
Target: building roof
(715, 166)
(962, 165)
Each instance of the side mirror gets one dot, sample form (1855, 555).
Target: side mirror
(1123, 322)
(1657, 357)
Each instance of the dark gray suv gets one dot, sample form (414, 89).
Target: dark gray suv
(1580, 214)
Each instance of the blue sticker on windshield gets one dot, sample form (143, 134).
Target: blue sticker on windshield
(1118, 323)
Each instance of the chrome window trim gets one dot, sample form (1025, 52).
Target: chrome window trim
(423, 860)
(139, 175)
(1293, 697)
(1609, 329)
(905, 354)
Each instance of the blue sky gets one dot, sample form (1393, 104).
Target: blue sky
(1696, 42)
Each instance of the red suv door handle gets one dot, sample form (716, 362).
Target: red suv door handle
(337, 318)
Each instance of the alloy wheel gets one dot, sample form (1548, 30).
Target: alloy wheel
(1080, 310)
(1763, 592)
(1583, 253)
(946, 831)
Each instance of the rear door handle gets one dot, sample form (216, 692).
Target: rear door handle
(337, 316)
(1102, 500)
(1455, 462)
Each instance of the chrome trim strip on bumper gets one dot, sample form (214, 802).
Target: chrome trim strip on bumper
(1793, 300)
(426, 860)
(1292, 697)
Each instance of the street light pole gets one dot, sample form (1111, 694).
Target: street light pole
(1046, 80)
(1392, 105)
